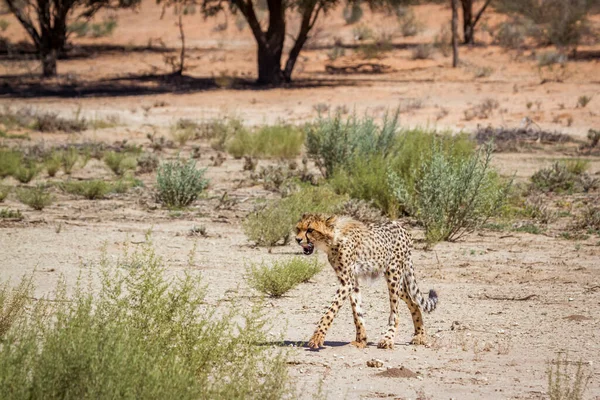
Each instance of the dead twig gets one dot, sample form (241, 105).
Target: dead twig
(510, 298)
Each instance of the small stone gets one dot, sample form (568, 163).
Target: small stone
(374, 363)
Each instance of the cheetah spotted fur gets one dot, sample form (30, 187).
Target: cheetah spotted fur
(356, 250)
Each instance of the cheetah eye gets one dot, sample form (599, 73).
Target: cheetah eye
(309, 230)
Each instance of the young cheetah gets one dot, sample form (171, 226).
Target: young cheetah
(355, 250)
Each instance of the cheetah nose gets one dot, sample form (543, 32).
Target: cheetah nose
(299, 240)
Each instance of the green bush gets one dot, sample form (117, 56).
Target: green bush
(332, 141)
(120, 163)
(7, 213)
(53, 163)
(278, 279)
(563, 176)
(365, 177)
(453, 196)
(13, 301)
(26, 172)
(68, 159)
(51, 122)
(179, 183)
(140, 335)
(92, 189)
(273, 224)
(37, 198)
(4, 191)
(10, 161)
(280, 141)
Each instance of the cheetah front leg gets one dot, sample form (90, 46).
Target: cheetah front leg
(392, 277)
(318, 338)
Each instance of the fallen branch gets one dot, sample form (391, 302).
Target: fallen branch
(509, 298)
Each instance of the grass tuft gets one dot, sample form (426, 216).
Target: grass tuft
(179, 183)
(37, 198)
(282, 276)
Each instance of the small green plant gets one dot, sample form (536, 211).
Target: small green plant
(7, 213)
(92, 189)
(376, 49)
(10, 161)
(120, 163)
(69, 158)
(563, 382)
(178, 183)
(53, 163)
(279, 278)
(528, 228)
(4, 25)
(147, 163)
(272, 224)
(13, 301)
(333, 141)
(185, 130)
(362, 32)
(4, 191)
(453, 196)
(280, 141)
(583, 101)
(26, 172)
(564, 176)
(37, 198)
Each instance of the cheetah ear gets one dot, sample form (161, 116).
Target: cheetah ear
(330, 221)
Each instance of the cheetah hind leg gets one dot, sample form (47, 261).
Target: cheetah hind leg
(419, 337)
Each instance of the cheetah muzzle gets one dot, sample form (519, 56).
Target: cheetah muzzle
(308, 248)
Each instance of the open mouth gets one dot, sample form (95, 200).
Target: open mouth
(308, 248)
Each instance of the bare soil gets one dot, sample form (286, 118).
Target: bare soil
(509, 301)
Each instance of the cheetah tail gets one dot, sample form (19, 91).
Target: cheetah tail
(415, 294)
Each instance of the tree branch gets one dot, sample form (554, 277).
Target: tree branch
(487, 3)
(308, 21)
(25, 21)
(247, 9)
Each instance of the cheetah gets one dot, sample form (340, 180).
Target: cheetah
(357, 250)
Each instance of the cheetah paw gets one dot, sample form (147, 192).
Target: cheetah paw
(359, 344)
(419, 339)
(386, 343)
(316, 340)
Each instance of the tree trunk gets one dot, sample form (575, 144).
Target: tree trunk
(468, 25)
(49, 57)
(454, 33)
(269, 67)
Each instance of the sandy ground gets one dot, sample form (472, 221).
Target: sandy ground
(508, 301)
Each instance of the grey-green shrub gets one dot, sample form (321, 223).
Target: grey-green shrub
(277, 279)
(365, 177)
(37, 198)
(333, 141)
(453, 196)
(140, 335)
(564, 176)
(178, 183)
(273, 224)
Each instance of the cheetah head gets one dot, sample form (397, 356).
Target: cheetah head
(314, 230)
